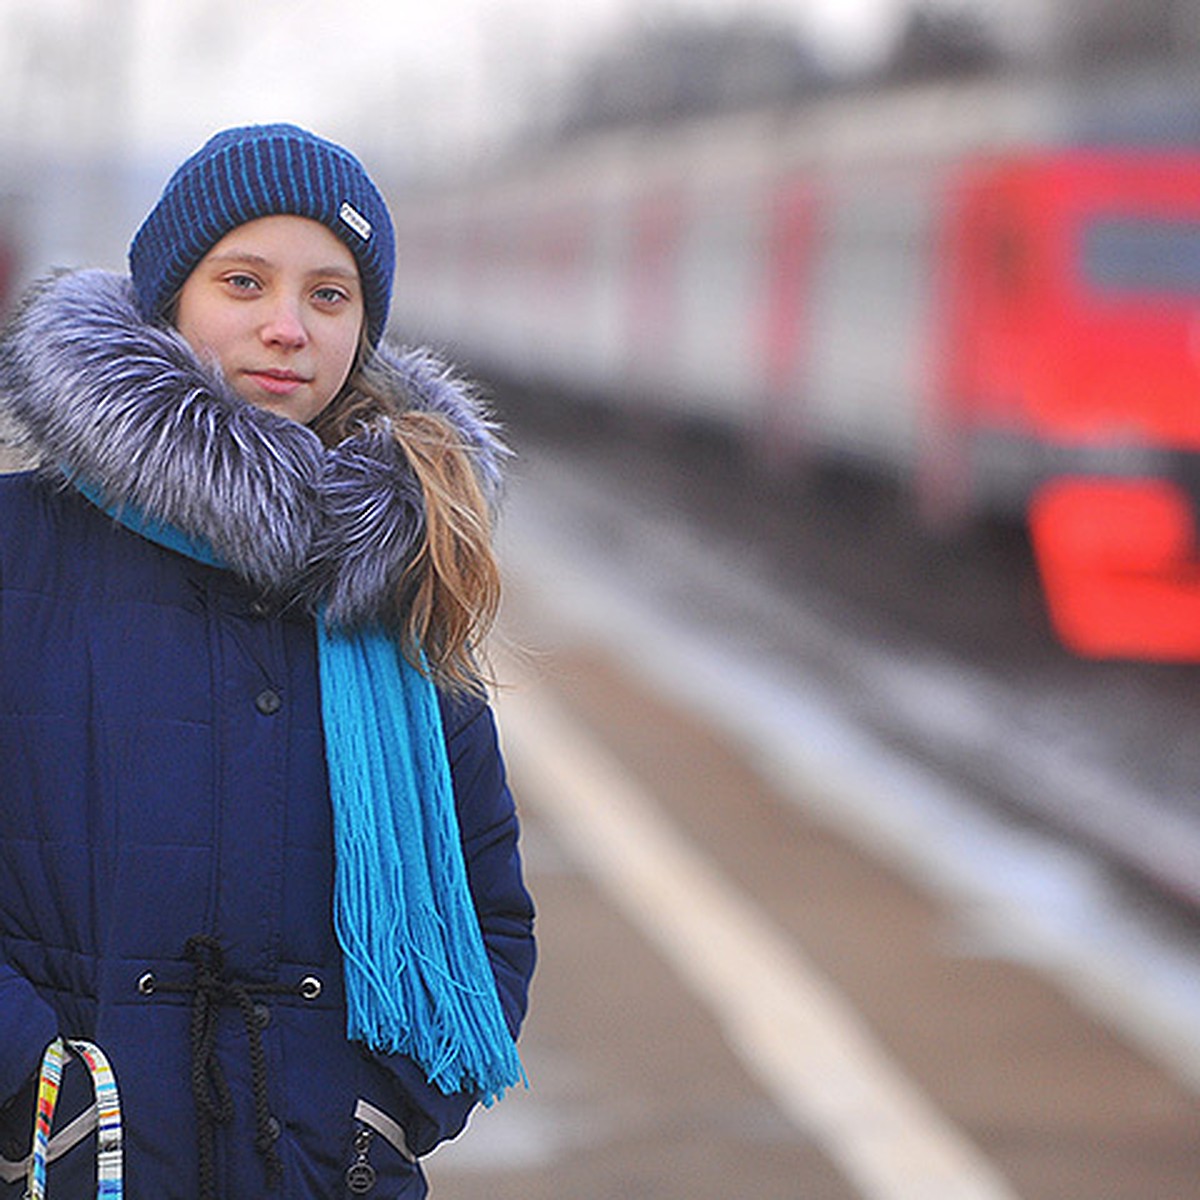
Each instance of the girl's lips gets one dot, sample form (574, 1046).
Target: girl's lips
(278, 383)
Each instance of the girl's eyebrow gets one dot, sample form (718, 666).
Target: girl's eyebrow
(338, 272)
(239, 256)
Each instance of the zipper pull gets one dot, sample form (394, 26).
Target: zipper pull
(360, 1175)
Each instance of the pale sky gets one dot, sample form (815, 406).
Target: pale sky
(163, 73)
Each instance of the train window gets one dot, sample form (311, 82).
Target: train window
(1132, 255)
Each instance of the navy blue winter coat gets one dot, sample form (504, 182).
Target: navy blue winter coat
(162, 776)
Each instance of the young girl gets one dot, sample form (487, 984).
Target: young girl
(256, 843)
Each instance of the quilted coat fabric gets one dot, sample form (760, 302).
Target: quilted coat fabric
(162, 776)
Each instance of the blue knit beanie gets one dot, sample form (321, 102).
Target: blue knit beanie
(259, 171)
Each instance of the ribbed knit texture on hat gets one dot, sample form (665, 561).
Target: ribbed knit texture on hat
(259, 171)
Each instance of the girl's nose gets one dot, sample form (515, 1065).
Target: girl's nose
(284, 325)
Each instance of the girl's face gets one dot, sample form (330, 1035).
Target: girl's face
(279, 304)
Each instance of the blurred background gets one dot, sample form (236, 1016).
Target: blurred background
(851, 354)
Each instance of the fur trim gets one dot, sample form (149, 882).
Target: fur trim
(432, 387)
(103, 395)
(372, 518)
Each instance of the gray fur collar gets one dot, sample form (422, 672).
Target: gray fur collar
(128, 407)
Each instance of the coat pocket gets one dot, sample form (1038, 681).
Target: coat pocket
(382, 1165)
(375, 1119)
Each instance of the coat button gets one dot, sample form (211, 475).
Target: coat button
(310, 987)
(273, 1129)
(262, 1016)
(268, 702)
(147, 983)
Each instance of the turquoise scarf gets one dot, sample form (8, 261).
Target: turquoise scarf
(418, 980)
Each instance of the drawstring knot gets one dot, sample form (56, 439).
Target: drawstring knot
(211, 989)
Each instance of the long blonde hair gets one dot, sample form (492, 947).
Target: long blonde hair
(448, 598)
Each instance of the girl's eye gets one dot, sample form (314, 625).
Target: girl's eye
(241, 283)
(329, 295)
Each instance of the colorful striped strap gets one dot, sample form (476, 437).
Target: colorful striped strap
(108, 1108)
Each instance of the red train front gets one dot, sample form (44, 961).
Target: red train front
(1072, 381)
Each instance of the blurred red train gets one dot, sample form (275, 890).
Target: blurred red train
(941, 283)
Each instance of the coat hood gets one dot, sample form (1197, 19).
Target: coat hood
(126, 406)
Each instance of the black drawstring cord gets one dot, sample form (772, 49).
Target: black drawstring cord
(210, 989)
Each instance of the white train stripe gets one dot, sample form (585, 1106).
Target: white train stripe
(792, 1030)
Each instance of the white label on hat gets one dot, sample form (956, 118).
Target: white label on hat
(355, 219)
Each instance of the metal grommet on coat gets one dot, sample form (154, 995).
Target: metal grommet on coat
(310, 987)
(147, 983)
(268, 702)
